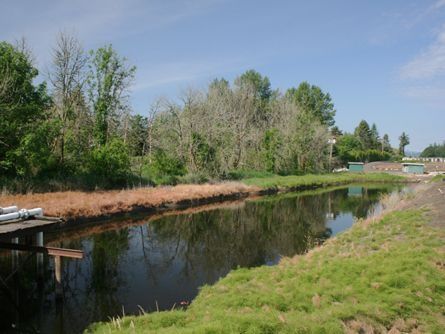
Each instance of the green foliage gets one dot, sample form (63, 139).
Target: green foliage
(70, 137)
(271, 148)
(255, 81)
(404, 141)
(34, 156)
(313, 181)
(137, 135)
(348, 148)
(164, 169)
(22, 107)
(202, 154)
(109, 164)
(364, 145)
(376, 155)
(364, 135)
(433, 151)
(109, 79)
(386, 144)
(438, 178)
(312, 100)
(242, 174)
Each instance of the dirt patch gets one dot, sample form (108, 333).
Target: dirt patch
(431, 196)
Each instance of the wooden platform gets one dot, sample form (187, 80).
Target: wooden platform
(18, 226)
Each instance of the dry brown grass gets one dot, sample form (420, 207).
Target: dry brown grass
(76, 204)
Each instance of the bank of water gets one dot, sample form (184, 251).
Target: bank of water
(161, 263)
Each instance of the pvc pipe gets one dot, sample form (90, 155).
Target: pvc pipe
(22, 214)
(8, 209)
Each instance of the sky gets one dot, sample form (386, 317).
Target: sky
(382, 61)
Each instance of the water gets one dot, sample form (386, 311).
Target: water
(160, 263)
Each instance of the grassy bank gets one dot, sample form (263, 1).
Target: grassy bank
(313, 180)
(80, 204)
(382, 274)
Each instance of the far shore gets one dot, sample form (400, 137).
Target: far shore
(78, 206)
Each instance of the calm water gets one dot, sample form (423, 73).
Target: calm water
(159, 263)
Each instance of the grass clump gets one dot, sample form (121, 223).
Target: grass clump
(313, 180)
(438, 178)
(379, 275)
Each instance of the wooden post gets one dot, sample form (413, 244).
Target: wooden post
(15, 254)
(58, 276)
(39, 243)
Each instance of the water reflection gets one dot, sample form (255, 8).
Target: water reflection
(162, 263)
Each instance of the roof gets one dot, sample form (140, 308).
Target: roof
(412, 164)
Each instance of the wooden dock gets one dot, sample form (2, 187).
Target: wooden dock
(14, 230)
(20, 226)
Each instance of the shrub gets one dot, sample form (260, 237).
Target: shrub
(164, 169)
(109, 164)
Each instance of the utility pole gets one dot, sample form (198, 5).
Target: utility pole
(331, 141)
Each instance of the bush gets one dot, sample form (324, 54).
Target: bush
(164, 169)
(246, 174)
(194, 178)
(109, 164)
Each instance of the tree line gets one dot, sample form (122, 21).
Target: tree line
(76, 129)
(365, 144)
(434, 151)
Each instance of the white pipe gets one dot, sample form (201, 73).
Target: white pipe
(22, 214)
(8, 209)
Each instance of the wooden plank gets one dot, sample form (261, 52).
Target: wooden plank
(21, 225)
(52, 251)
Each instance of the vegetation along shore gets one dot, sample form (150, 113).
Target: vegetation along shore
(72, 205)
(385, 274)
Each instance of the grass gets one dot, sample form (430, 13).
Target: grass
(75, 204)
(313, 180)
(386, 273)
(81, 204)
(438, 178)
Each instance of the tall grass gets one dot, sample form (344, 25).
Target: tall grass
(75, 204)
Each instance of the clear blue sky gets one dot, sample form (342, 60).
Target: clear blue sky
(383, 61)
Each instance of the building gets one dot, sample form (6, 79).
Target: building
(356, 166)
(413, 168)
(433, 159)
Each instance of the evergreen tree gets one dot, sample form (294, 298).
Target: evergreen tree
(364, 135)
(404, 141)
(386, 145)
(375, 137)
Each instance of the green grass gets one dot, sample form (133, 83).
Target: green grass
(314, 180)
(438, 178)
(381, 275)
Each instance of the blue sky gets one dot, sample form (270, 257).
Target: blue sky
(383, 61)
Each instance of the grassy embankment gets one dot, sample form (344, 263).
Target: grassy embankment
(438, 178)
(313, 180)
(78, 204)
(385, 273)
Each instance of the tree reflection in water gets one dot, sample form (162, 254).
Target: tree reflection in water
(165, 261)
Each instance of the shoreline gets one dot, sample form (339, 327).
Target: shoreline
(76, 207)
